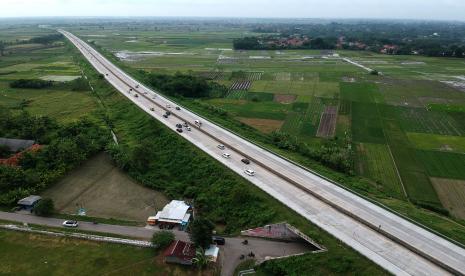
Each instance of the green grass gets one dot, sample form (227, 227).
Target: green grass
(261, 97)
(437, 142)
(363, 92)
(366, 123)
(443, 164)
(424, 121)
(375, 162)
(292, 124)
(34, 254)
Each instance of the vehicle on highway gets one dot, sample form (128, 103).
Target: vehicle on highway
(178, 108)
(70, 223)
(178, 125)
(153, 97)
(185, 124)
(179, 130)
(188, 128)
(168, 113)
(226, 155)
(245, 161)
(135, 95)
(168, 106)
(130, 89)
(198, 123)
(152, 109)
(249, 172)
(164, 115)
(218, 240)
(221, 147)
(137, 86)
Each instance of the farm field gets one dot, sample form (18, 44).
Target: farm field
(452, 195)
(408, 122)
(104, 191)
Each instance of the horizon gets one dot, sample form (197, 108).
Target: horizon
(445, 10)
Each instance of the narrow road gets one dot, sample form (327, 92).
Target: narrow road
(229, 253)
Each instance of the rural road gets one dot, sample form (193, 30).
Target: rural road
(394, 243)
(229, 253)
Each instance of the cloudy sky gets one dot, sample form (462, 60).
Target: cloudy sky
(404, 9)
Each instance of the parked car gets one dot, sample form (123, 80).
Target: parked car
(179, 130)
(221, 147)
(178, 108)
(218, 240)
(70, 223)
(226, 155)
(245, 161)
(249, 172)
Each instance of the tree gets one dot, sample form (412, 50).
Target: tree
(2, 48)
(200, 260)
(162, 239)
(201, 232)
(44, 207)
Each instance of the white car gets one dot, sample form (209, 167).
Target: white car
(70, 223)
(226, 155)
(249, 172)
(221, 147)
(188, 128)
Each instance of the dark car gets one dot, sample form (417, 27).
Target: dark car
(168, 113)
(179, 130)
(245, 161)
(164, 115)
(219, 240)
(178, 125)
(178, 108)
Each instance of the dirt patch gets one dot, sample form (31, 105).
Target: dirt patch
(284, 99)
(328, 122)
(264, 125)
(451, 192)
(104, 191)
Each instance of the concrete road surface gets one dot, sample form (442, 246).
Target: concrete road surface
(389, 240)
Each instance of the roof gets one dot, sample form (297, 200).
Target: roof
(30, 200)
(16, 144)
(212, 252)
(175, 211)
(180, 249)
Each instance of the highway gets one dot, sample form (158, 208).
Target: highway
(387, 239)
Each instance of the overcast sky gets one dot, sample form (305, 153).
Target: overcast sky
(403, 9)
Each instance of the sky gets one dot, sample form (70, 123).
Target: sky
(383, 9)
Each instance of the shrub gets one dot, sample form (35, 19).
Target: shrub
(44, 207)
(162, 239)
(201, 232)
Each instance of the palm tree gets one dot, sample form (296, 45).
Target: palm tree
(200, 259)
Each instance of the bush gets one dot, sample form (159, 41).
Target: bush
(162, 239)
(31, 83)
(201, 232)
(44, 207)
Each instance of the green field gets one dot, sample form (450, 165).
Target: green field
(34, 254)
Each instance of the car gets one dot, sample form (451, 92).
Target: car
(152, 109)
(137, 86)
(168, 106)
(130, 89)
(178, 125)
(153, 97)
(164, 115)
(185, 124)
(197, 122)
(226, 155)
(218, 240)
(188, 128)
(178, 108)
(245, 161)
(70, 223)
(249, 172)
(135, 95)
(179, 130)
(168, 113)
(221, 147)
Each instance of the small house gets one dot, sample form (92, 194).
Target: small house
(29, 202)
(180, 252)
(176, 213)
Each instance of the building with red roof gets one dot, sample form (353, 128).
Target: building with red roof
(180, 252)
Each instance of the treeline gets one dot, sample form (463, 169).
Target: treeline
(79, 84)
(185, 85)
(330, 154)
(274, 43)
(65, 147)
(46, 39)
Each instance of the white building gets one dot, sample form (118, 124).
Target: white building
(176, 212)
